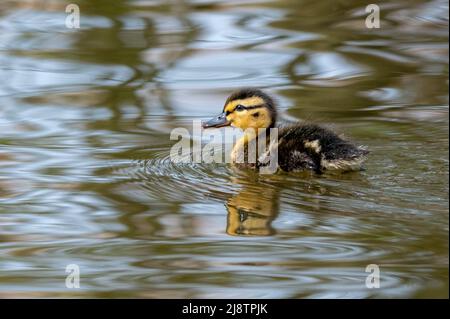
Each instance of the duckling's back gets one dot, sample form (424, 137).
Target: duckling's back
(312, 147)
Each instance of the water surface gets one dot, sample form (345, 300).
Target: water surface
(86, 178)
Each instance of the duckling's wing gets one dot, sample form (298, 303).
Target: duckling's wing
(294, 157)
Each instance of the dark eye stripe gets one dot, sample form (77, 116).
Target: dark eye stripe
(249, 107)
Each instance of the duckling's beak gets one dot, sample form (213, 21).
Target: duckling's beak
(217, 121)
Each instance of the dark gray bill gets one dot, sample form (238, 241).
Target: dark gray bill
(217, 121)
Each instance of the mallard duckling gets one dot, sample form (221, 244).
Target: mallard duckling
(300, 146)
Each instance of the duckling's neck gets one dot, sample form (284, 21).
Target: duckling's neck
(245, 150)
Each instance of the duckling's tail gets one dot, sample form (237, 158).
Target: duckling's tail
(352, 161)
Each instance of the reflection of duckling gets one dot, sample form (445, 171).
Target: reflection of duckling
(250, 214)
(300, 146)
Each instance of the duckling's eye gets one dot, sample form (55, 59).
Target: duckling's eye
(240, 108)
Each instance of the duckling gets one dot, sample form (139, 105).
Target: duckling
(300, 146)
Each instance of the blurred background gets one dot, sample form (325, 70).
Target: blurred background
(86, 178)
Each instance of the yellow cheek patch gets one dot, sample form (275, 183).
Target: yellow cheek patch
(251, 101)
(262, 120)
(247, 119)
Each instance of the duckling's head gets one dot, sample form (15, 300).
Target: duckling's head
(246, 108)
